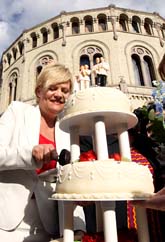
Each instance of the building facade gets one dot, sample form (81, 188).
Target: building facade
(132, 42)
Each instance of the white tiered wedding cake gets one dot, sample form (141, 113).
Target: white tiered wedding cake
(99, 111)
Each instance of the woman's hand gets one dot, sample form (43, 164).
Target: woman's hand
(155, 202)
(44, 153)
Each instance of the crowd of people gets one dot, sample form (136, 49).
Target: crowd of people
(29, 138)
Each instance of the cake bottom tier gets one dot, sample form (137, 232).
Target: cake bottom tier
(104, 180)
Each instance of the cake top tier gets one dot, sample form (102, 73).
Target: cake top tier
(97, 103)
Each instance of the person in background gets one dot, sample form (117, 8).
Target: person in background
(30, 140)
(100, 70)
(84, 76)
(76, 84)
(96, 70)
(157, 201)
(87, 76)
(161, 68)
(103, 71)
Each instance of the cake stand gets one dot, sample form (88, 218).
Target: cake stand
(99, 124)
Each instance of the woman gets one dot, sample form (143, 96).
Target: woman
(29, 137)
(157, 201)
(161, 68)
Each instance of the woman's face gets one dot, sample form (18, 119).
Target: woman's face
(52, 100)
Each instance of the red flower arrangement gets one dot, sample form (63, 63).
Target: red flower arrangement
(91, 155)
(93, 238)
(125, 235)
(88, 156)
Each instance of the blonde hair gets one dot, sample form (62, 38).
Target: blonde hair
(53, 74)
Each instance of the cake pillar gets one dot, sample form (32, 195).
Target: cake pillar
(68, 222)
(100, 138)
(124, 144)
(142, 225)
(74, 140)
(109, 218)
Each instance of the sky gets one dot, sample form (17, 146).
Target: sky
(19, 15)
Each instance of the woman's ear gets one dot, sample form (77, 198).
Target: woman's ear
(38, 92)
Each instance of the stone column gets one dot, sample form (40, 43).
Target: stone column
(157, 27)
(82, 28)
(95, 25)
(63, 29)
(113, 21)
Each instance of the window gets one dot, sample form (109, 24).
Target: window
(75, 26)
(55, 30)
(14, 50)
(34, 39)
(149, 70)
(44, 35)
(137, 71)
(143, 68)
(148, 26)
(88, 24)
(163, 31)
(13, 87)
(123, 21)
(88, 56)
(21, 47)
(136, 24)
(102, 22)
(43, 61)
(9, 58)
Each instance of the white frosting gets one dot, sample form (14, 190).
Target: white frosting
(103, 180)
(97, 99)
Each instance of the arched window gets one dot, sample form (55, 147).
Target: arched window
(149, 70)
(43, 61)
(34, 39)
(102, 22)
(21, 47)
(14, 50)
(44, 35)
(163, 31)
(13, 87)
(123, 21)
(55, 30)
(137, 71)
(75, 25)
(88, 56)
(136, 24)
(88, 24)
(143, 68)
(39, 69)
(97, 55)
(148, 26)
(10, 93)
(84, 60)
(9, 58)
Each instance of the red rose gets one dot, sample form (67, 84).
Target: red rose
(115, 156)
(88, 156)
